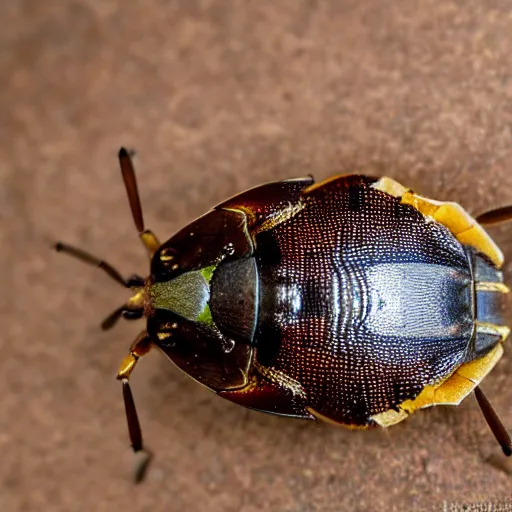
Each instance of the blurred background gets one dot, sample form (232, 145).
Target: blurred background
(216, 96)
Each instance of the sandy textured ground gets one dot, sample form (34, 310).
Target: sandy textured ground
(217, 96)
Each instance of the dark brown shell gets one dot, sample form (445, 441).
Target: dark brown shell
(363, 301)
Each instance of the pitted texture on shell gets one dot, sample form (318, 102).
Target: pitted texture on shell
(364, 300)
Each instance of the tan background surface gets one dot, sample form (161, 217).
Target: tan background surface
(217, 96)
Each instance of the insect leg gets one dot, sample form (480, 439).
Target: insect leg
(132, 282)
(495, 216)
(140, 347)
(133, 309)
(112, 319)
(495, 424)
(128, 172)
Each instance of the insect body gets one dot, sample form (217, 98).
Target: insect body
(354, 301)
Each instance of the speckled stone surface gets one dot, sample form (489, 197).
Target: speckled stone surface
(217, 96)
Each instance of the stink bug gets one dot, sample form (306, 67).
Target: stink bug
(353, 300)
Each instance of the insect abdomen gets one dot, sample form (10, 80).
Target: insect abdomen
(364, 301)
